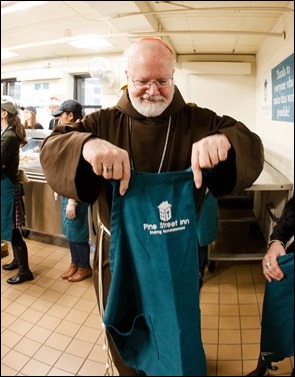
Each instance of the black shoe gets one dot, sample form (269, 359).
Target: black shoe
(10, 266)
(21, 278)
(260, 371)
(140, 372)
(201, 281)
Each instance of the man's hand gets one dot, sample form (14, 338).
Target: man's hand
(207, 153)
(108, 161)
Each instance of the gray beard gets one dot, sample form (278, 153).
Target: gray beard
(149, 110)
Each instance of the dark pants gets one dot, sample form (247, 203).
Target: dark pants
(80, 253)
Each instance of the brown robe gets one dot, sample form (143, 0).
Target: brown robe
(144, 138)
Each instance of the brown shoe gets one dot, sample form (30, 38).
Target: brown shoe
(70, 271)
(4, 253)
(4, 249)
(81, 274)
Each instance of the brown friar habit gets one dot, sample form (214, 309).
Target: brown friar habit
(144, 138)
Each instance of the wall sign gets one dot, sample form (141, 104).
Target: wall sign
(283, 90)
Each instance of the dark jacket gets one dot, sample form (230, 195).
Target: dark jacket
(284, 229)
(37, 126)
(10, 149)
(52, 123)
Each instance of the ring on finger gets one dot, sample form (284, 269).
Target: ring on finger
(268, 265)
(107, 169)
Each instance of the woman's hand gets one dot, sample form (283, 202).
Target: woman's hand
(71, 209)
(271, 268)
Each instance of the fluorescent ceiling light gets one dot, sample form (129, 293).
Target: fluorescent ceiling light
(21, 5)
(91, 41)
(7, 54)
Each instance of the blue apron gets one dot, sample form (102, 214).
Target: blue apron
(152, 311)
(277, 327)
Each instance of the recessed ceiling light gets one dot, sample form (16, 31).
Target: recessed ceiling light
(91, 41)
(21, 5)
(7, 54)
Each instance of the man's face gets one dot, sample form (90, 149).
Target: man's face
(150, 82)
(150, 100)
(65, 118)
(53, 108)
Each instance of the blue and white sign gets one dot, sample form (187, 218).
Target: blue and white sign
(283, 90)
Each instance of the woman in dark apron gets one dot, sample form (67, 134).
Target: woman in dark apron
(277, 325)
(13, 136)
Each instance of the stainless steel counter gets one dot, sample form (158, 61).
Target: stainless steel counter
(43, 213)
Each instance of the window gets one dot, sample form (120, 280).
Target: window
(11, 87)
(88, 92)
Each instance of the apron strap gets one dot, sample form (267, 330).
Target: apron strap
(109, 362)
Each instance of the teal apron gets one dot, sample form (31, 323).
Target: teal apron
(207, 220)
(7, 207)
(152, 311)
(77, 229)
(277, 327)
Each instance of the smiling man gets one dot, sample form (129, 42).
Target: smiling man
(150, 130)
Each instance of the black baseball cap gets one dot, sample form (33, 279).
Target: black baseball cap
(69, 106)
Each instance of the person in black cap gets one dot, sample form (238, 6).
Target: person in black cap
(13, 136)
(70, 106)
(30, 118)
(75, 213)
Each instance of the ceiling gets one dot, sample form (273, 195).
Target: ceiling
(190, 27)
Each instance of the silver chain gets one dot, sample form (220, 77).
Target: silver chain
(165, 145)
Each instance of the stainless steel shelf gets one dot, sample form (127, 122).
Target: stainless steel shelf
(271, 189)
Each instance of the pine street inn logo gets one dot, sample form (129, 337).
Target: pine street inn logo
(166, 224)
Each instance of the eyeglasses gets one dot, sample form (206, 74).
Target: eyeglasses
(163, 83)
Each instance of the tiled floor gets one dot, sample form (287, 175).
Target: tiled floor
(50, 327)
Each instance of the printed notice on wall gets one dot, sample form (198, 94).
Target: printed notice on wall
(266, 97)
(283, 90)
